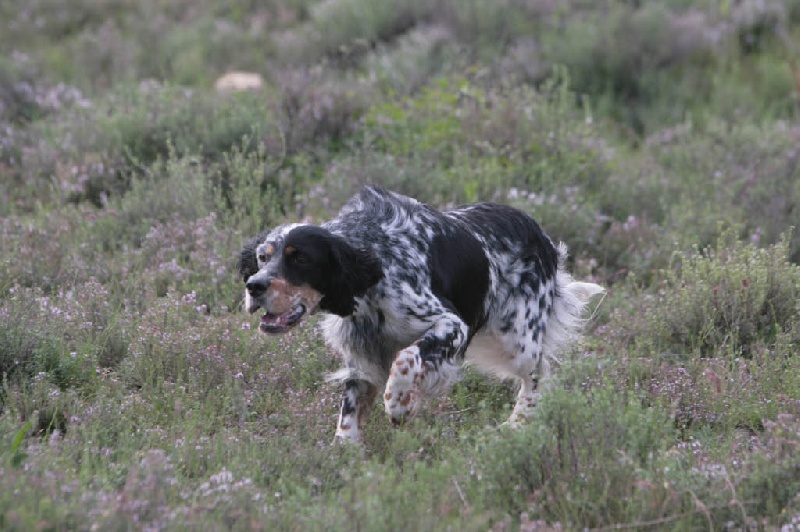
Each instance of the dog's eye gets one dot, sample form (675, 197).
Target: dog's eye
(263, 257)
(299, 258)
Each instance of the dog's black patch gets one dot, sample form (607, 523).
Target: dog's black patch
(460, 274)
(329, 265)
(247, 263)
(512, 231)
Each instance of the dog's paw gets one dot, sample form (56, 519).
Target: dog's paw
(524, 410)
(347, 432)
(402, 389)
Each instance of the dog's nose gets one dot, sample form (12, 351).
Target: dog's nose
(257, 287)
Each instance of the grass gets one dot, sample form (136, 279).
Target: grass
(658, 140)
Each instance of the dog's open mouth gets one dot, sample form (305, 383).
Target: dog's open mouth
(280, 323)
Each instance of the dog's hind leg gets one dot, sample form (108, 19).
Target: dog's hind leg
(358, 397)
(529, 377)
(553, 320)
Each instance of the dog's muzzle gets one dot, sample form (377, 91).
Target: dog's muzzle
(285, 304)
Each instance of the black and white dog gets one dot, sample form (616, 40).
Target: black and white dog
(411, 293)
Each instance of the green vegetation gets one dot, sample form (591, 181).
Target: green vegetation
(659, 140)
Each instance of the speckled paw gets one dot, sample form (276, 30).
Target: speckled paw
(402, 389)
(347, 433)
(524, 410)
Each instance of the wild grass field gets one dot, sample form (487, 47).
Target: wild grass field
(659, 139)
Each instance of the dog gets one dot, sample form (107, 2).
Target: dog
(410, 293)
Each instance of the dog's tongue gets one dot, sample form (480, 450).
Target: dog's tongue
(277, 323)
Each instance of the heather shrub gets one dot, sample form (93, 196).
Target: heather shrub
(187, 256)
(174, 188)
(135, 128)
(56, 20)
(744, 174)
(174, 343)
(633, 59)
(477, 143)
(344, 26)
(18, 93)
(760, 388)
(724, 394)
(405, 65)
(732, 487)
(99, 44)
(190, 122)
(93, 322)
(182, 54)
(364, 500)
(168, 227)
(731, 298)
(318, 110)
(27, 352)
(250, 191)
(491, 400)
(83, 44)
(757, 22)
(773, 473)
(683, 429)
(766, 88)
(467, 180)
(490, 25)
(33, 343)
(553, 466)
(99, 56)
(42, 406)
(25, 244)
(28, 157)
(165, 233)
(175, 191)
(686, 176)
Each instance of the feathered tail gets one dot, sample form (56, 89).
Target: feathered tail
(567, 319)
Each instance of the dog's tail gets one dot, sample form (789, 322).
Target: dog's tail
(567, 318)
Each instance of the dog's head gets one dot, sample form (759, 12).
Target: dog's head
(296, 270)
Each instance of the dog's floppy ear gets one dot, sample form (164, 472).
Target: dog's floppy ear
(354, 272)
(247, 262)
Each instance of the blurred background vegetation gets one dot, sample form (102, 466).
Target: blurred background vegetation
(659, 139)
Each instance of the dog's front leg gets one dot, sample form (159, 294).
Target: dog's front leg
(358, 397)
(425, 368)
